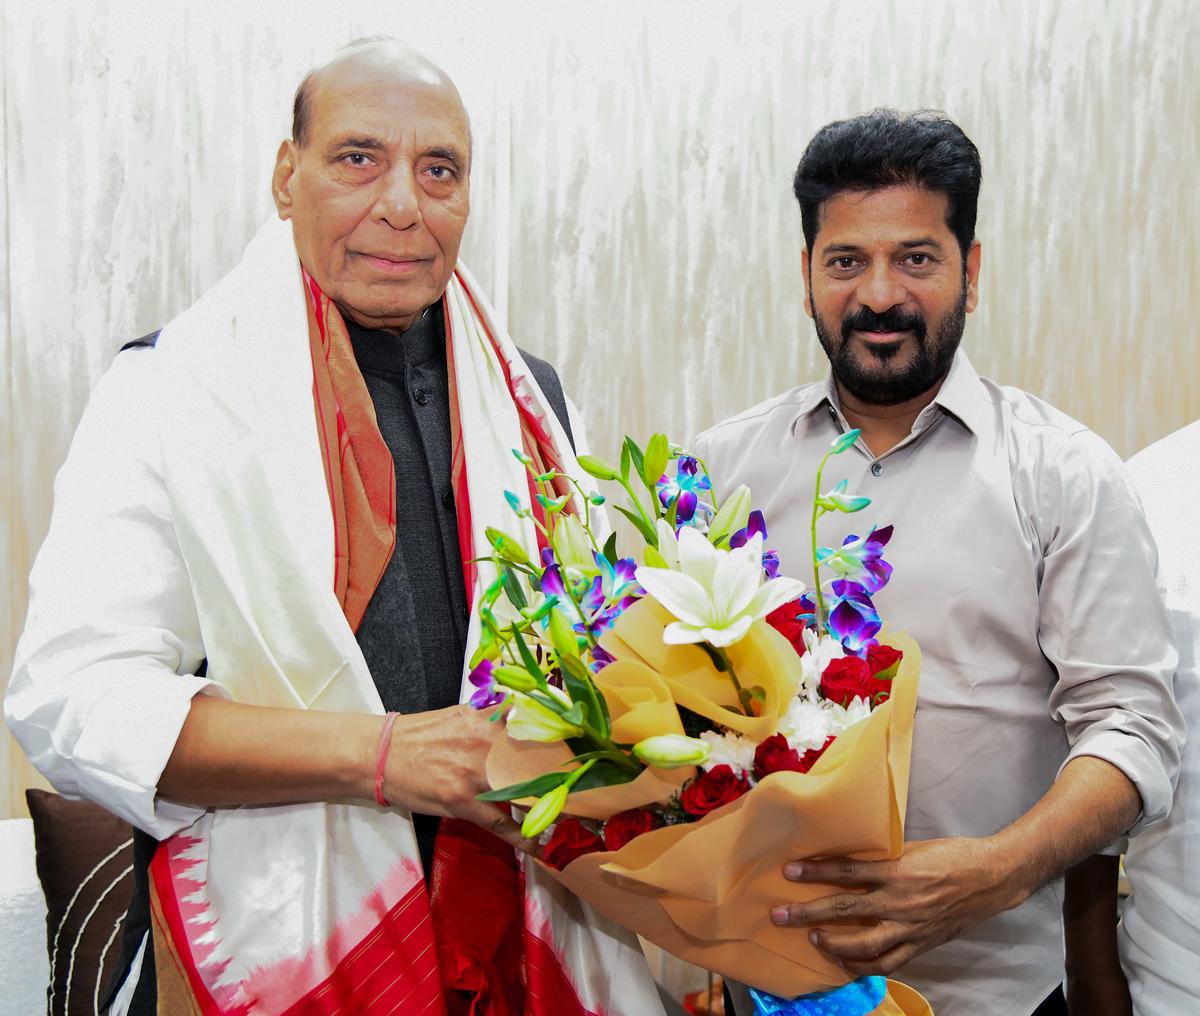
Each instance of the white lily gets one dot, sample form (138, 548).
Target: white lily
(716, 594)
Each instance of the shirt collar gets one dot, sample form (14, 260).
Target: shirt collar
(961, 395)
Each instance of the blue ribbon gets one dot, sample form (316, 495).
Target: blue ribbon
(858, 998)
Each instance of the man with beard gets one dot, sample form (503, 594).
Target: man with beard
(1045, 726)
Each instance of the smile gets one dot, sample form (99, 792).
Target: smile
(394, 265)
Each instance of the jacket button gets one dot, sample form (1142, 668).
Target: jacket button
(876, 469)
(448, 498)
(421, 396)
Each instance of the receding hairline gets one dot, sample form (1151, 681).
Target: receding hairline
(302, 103)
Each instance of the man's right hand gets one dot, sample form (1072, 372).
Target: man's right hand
(436, 766)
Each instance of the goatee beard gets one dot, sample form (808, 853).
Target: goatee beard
(877, 385)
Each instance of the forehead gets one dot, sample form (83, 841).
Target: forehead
(888, 215)
(392, 102)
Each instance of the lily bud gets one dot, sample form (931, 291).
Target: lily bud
(529, 720)
(671, 751)
(544, 811)
(596, 467)
(562, 636)
(506, 546)
(516, 678)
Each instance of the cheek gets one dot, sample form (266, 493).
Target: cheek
(446, 221)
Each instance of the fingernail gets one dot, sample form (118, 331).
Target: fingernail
(793, 871)
(779, 915)
(812, 937)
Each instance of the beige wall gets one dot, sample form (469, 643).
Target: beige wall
(632, 210)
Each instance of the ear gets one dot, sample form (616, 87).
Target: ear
(281, 179)
(974, 255)
(806, 271)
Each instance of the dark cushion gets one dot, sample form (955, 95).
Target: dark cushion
(84, 862)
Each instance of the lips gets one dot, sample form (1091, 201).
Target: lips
(394, 264)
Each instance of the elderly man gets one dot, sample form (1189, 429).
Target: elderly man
(265, 538)
(1045, 725)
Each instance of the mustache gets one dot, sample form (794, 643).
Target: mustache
(891, 320)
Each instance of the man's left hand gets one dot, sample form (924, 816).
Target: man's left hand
(927, 896)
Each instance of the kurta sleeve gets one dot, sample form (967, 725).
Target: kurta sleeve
(104, 672)
(1103, 624)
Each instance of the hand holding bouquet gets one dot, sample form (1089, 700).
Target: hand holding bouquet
(685, 720)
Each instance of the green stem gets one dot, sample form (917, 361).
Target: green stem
(587, 512)
(611, 750)
(587, 631)
(724, 665)
(816, 514)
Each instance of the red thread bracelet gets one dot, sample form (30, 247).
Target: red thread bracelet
(381, 754)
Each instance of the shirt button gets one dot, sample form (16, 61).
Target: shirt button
(448, 498)
(876, 469)
(421, 396)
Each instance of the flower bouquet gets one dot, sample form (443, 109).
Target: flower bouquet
(684, 720)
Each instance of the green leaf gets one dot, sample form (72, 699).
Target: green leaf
(654, 559)
(610, 548)
(581, 688)
(625, 462)
(641, 525)
(596, 467)
(527, 657)
(658, 454)
(635, 456)
(536, 787)
(604, 774)
(512, 587)
(575, 715)
(733, 516)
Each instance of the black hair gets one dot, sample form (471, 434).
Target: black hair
(887, 148)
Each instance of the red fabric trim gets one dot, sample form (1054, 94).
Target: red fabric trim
(549, 991)
(366, 981)
(164, 888)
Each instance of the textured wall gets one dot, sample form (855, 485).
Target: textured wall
(632, 210)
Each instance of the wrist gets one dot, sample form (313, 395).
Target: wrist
(1012, 870)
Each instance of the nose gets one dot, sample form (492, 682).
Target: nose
(398, 201)
(880, 288)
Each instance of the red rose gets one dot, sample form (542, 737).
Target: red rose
(570, 839)
(783, 620)
(710, 790)
(775, 755)
(884, 661)
(625, 825)
(810, 757)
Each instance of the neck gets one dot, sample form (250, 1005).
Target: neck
(884, 427)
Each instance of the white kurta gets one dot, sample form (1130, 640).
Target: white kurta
(1160, 933)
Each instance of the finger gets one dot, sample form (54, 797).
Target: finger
(837, 871)
(501, 825)
(886, 964)
(860, 944)
(827, 910)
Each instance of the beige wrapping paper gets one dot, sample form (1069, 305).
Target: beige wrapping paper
(703, 891)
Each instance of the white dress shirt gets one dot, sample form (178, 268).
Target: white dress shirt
(1160, 932)
(1025, 570)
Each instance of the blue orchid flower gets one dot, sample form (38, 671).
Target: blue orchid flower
(860, 559)
(853, 619)
(685, 488)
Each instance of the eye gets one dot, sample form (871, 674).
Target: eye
(845, 263)
(919, 259)
(441, 172)
(357, 159)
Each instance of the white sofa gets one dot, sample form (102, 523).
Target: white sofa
(24, 970)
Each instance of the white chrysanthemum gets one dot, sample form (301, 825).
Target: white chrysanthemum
(729, 749)
(807, 724)
(842, 719)
(820, 653)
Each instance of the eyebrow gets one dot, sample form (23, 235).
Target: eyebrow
(852, 248)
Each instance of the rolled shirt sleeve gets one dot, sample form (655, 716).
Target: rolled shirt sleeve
(104, 672)
(1103, 624)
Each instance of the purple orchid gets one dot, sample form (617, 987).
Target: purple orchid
(756, 525)
(488, 692)
(685, 488)
(610, 593)
(853, 619)
(601, 658)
